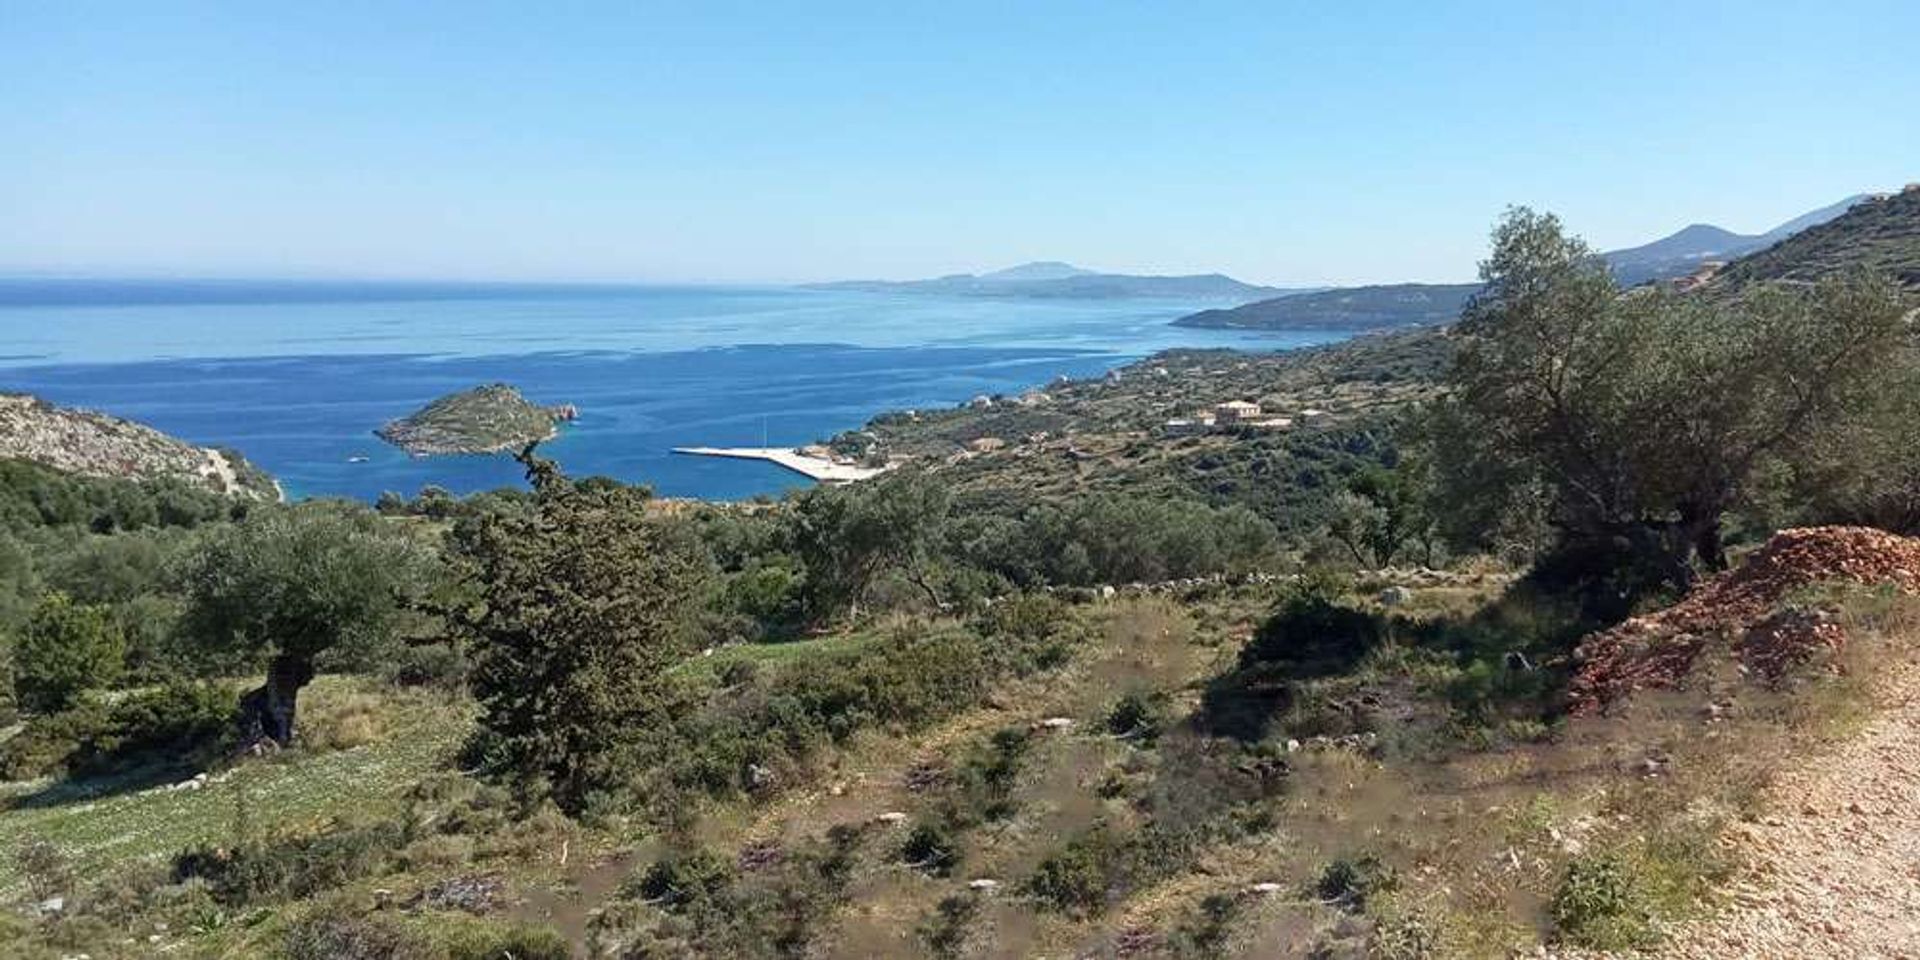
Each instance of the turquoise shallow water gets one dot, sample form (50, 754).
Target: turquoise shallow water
(298, 375)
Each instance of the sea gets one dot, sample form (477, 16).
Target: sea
(297, 375)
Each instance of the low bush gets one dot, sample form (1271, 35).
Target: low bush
(1204, 933)
(759, 736)
(337, 934)
(931, 847)
(291, 867)
(507, 942)
(1077, 880)
(1139, 716)
(1600, 905)
(1310, 634)
(947, 931)
(176, 727)
(1352, 882)
(184, 723)
(698, 905)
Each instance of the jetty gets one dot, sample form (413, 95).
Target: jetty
(819, 469)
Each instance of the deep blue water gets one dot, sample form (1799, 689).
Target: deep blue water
(297, 376)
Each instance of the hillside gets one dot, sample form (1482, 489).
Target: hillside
(1346, 308)
(1421, 304)
(1880, 234)
(1056, 280)
(1111, 435)
(98, 445)
(485, 419)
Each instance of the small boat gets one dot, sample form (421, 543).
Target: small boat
(358, 458)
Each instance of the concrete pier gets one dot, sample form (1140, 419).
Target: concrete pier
(814, 468)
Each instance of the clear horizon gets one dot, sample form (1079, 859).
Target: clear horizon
(656, 145)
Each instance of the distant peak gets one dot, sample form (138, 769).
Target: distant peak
(1038, 270)
(1692, 230)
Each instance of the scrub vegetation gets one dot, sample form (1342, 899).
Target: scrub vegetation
(1094, 691)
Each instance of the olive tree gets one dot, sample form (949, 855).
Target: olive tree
(290, 584)
(1638, 419)
(850, 537)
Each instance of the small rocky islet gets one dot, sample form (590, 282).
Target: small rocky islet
(484, 419)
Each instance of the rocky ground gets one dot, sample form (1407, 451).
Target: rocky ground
(1835, 870)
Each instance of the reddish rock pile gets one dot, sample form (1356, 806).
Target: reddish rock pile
(1659, 649)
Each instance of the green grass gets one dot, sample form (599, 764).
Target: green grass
(99, 832)
(777, 654)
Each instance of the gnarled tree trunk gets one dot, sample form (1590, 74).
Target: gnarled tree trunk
(267, 712)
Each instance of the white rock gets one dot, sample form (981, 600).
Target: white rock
(982, 884)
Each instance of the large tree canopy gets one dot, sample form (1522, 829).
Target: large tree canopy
(289, 584)
(850, 537)
(1633, 421)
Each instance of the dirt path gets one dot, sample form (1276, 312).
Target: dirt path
(1835, 868)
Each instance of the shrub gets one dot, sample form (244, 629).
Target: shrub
(678, 881)
(181, 722)
(44, 745)
(931, 847)
(1350, 882)
(713, 911)
(291, 867)
(1310, 635)
(1405, 936)
(66, 648)
(1138, 715)
(1205, 933)
(48, 872)
(338, 935)
(1030, 617)
(946, 932)
(511, 942)
(1076, 880)
(173, 728)
(1599, 905)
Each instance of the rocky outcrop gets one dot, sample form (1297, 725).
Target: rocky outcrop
(98, 445)
(1744, 605)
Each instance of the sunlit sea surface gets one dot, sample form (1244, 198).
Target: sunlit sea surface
(298, 375)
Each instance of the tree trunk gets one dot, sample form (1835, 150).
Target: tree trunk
(1708, 546)
(267, 712)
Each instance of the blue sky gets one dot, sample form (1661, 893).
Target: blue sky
(1284, 143)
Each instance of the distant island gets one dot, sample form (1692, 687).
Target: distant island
(1680, 254)
(1052, 279)
(485, 419)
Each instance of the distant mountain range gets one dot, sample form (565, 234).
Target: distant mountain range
(1051, 279)
(1413, 304)
(1684, 252)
